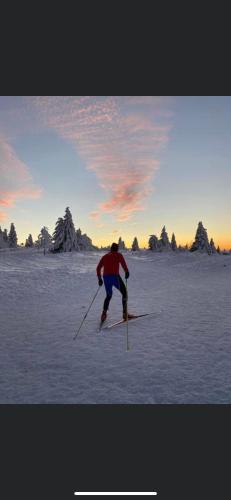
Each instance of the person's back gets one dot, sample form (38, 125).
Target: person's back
(110, 263)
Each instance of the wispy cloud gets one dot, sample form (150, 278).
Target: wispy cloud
(15, 179)
(120, 139)
(94, 215)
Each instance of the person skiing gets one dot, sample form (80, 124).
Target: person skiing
(110, 263)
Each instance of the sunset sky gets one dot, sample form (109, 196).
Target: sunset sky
(125, 165)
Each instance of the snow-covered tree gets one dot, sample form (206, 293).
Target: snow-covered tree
(70, 240)
(218, 249)
(5, 236)
(64, 236)
(121, 244)
(12, 237)
(153, 243)
(201, 242)
(44, 239)
(212, 246)
(135, 245)
(58, 235)
(1, 238)
(84, 242)
(173, 242)
(29, 242)
(164, 241)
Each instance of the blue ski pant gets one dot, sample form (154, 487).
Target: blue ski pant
(114, 280)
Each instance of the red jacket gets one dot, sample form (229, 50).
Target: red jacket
(110, 262)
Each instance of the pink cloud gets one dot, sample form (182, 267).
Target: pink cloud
(2, 216)
(16, 181)
(119, 138)
(94, 215)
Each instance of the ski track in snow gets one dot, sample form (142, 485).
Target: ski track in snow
(181, 355)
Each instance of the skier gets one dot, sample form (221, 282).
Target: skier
(110, 262)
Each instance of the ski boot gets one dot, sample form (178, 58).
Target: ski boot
(103, 316)
(128, 316)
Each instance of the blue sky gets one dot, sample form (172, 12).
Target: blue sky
(125, 166)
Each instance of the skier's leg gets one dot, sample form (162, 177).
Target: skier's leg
(122, 288)
(108, 287)
(106, 302)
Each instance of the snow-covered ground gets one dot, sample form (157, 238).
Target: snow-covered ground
(180, 355)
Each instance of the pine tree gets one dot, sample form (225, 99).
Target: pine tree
(212, 246)
(58, 235)
(173, 243)
(5, 236)
(164, 241)
(12, 237)
(64, 236)
(201, 242)
(135, 245)
(29, 242)
(218, 249)
(70, 240)
(121, 244)
(1, 238)
(84, 242)
(153, 243)
(44, 239)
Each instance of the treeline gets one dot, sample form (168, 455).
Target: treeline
(64, 239)
(201, 242)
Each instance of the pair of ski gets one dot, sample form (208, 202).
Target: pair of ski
(102, 325)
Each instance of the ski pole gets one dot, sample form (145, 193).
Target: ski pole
(77, 333)
(127, 313)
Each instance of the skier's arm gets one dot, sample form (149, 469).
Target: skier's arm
(123, 264)
(99, 267)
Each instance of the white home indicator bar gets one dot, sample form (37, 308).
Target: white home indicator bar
(116, 493)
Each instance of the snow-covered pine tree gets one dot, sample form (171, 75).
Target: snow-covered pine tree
(201, 242)
(153, 243)
(135, 245)
(212, 246)
(84, 242)
(70, 240)
(12, 237)
(218, 249)
(121, 244)
(58, 235)
(5, 236)
(44, 239)
(164, 241)
(173, 243)
(29, 242)
(1, 238)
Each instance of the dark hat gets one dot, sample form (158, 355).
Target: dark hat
(114, 247)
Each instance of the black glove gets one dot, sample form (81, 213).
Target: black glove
(100, 281)
(127, 275)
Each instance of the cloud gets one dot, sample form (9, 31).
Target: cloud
(120, 140)
(2, 216)
(15, 179)
(94, 215)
